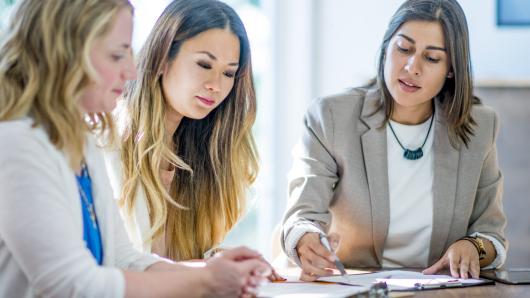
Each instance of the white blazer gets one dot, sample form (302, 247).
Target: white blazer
(42, 251)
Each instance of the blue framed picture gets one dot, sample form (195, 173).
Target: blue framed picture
(513, 12)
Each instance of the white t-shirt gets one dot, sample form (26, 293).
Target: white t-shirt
(411, 197)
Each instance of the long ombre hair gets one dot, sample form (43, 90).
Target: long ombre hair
(215, 157)
(456, 96)
(45, 65)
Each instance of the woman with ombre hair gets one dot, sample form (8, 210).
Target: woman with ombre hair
(187, 156)
(63, 64)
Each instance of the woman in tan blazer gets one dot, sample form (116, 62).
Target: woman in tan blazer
(403, 171)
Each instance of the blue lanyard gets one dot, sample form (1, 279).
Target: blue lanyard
(91, 233)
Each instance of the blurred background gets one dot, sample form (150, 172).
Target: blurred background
(304, 49)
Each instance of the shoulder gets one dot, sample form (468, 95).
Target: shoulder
(346, 102)
(342, 108)
(21, 138)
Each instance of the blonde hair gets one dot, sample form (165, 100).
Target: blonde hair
(215, 157)
(45, 65)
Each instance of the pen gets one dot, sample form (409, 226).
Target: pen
(447, 284)
(339, 265)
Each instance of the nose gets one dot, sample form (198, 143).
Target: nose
(213, 84)
(413, 66)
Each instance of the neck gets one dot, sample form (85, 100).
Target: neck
(412, 115)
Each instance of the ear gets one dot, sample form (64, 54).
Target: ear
(164, 69)
(450, 75)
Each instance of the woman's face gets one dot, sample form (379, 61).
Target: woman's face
(417, 63)
(111, 57)
(201, 75)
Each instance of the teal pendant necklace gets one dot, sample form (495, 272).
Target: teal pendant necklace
(413, 154)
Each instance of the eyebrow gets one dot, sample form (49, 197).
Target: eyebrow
(411, 40)
(215, 58)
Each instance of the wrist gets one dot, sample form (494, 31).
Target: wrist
(478, 244)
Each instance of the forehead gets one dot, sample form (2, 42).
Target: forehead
(222, 43)
(121, 27)
(424, 33)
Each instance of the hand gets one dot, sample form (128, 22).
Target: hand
(461, 258)
(316, 260)
(274, 276)
(235, 273)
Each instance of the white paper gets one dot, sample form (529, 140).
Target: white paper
(308, 289)
(396, 279)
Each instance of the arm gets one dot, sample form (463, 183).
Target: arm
(231, 273)
(488, 220)
(311, 187)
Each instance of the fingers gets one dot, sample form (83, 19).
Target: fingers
(475, 268)
(239, 253)
(306, 276)
(320, 256)
(454, 265)
(334, 241)
(464, 267)
(275, 276)
(254, 267)
(314, 264)
(435, 267)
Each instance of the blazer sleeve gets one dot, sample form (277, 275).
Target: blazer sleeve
(39, 228)
(488, 216)
(313, 175)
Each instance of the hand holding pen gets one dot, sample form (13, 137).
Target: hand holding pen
(317, 260)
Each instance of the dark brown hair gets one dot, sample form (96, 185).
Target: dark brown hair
(456, 96)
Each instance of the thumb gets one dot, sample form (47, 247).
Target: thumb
(334, 241)
(435, 267)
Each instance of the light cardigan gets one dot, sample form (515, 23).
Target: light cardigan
(42, 252)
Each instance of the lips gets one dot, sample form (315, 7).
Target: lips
(408, 86)
(205, 100)
(117, 91)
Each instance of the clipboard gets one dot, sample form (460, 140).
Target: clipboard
(400, 280)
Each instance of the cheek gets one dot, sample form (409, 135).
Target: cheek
(436, 79)
(227, 87)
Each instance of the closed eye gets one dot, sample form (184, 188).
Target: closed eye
(204, 65)
(403, 50)
(230, 74)
(433, 60)
(117, 58)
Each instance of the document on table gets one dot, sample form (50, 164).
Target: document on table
(309, 290)
(399, 280)
(293, 287)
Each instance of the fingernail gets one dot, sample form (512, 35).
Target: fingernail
(332, 258)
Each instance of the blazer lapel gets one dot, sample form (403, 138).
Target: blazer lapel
(446, 160)
(375, 158)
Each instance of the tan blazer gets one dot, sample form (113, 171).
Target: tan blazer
(339, 179)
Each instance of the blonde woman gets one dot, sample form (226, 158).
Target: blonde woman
(188, 155)
(62, 66)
